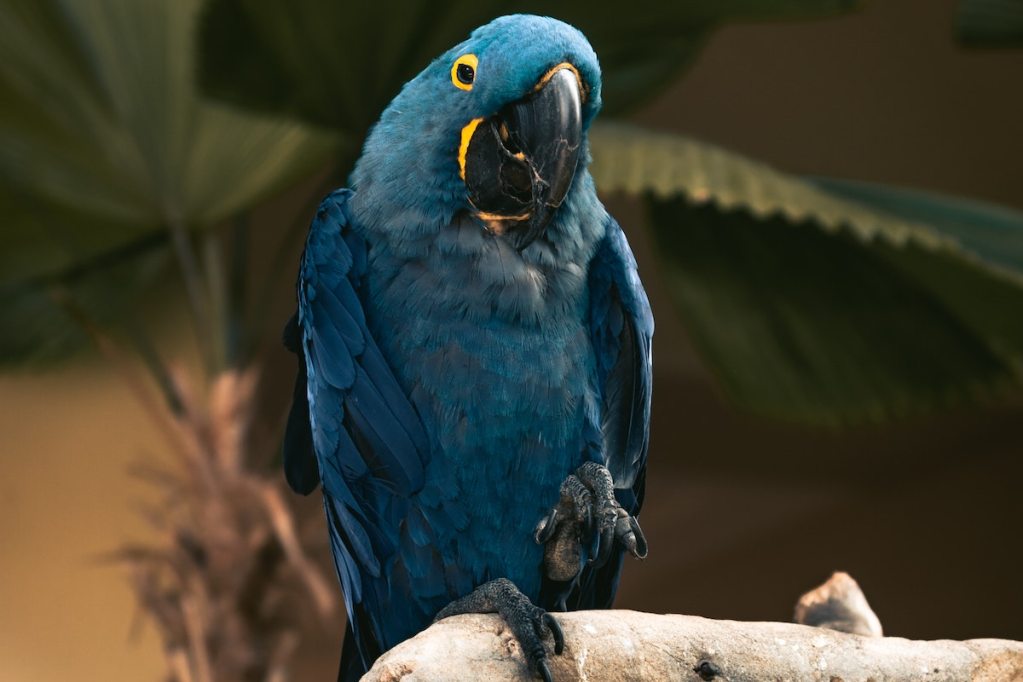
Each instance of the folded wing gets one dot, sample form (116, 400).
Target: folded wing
(351, 428)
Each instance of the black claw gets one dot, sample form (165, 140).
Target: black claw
(605, 541)
(640, 549)
(556, 632)
(545, 529)
(548, 623)
(544, 670)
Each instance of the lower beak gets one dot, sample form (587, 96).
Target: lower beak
(519, 164)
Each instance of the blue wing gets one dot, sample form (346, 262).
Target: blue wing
(352, 427)
(621, 327)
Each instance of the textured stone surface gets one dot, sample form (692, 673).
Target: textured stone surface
(619, 646)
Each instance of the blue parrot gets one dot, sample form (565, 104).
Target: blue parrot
(473, 390)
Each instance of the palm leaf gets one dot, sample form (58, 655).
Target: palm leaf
(820, 301)
(990, 23)
(56, 281)
(104, 140)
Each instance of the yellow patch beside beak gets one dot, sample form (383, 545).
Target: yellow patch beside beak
(463, 147)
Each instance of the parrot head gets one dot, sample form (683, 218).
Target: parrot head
(494, 127)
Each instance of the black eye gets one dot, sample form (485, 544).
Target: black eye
(465, 74)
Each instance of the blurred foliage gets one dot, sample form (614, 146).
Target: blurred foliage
(103, 143)
(824, 300)
(990, 23)
(991, 232)
(810, 299)
(55, 275)
(800, 323)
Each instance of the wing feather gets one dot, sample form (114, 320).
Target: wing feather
(622, 327)
(352, 427)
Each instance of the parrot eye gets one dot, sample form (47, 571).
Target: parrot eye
(463, 71)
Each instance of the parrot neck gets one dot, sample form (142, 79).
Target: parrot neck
(462, 271)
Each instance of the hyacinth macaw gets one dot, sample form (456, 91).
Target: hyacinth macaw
(473, 389)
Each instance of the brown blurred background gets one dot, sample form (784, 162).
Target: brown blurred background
(742, 514)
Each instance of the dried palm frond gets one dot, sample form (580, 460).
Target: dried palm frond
(222, 578)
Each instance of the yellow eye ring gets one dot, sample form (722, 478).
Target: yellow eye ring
(463, 71)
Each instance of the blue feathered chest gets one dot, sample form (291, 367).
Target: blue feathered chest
(493, 347)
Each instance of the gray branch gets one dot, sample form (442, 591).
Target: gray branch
(602, 646)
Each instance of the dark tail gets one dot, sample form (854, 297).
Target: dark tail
(355, 663)
(352, 667)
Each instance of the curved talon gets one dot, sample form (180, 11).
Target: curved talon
(638, 547)
(556, 632)
(546, 527)
(628, 532)
(544, 670)
(597, 559)
(605, 541)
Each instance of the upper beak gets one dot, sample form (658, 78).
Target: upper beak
(519, 164)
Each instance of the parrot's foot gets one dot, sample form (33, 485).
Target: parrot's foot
(586, 515)
(529, 623)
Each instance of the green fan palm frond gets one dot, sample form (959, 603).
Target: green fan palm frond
(822, 300)
(104, 141)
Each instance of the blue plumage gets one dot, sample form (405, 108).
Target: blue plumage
(451, 381)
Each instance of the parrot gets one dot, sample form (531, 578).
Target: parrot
(474, 354)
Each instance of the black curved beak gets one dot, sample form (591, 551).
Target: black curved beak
(519, 164)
